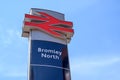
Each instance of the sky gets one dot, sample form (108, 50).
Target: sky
(94, 51)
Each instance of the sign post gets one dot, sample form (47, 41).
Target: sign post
(48, 35)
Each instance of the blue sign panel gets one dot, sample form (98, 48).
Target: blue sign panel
(49, 61)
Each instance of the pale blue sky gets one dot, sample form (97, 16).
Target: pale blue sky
(94, 50)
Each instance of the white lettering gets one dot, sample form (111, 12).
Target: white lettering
(50, 51)
(44, 55)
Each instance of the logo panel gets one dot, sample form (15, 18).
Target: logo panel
(48, 24)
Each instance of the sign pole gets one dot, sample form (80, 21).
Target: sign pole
(48, 36)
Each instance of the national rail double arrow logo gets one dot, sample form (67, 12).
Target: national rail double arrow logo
(49, 24)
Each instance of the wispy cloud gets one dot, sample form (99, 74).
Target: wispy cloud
(16, 73)
(13, 70)
(12, 62)
(10, 36)
(91, 66)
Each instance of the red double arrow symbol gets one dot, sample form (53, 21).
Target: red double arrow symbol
(49, 24)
